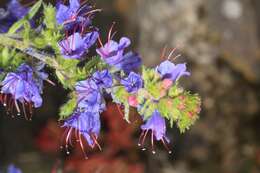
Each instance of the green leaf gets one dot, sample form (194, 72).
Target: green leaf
(68, 108)
(17, 25)
(50, 17)
(147, 109)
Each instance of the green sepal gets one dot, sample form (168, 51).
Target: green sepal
(147, 109)
(120, 95)
(174, 91)
(50, 17)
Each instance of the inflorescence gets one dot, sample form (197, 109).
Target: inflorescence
(68, 36)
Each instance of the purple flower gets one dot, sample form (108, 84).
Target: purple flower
(113, 54)
(12, 169)
(169, 70)
(103, 79)
(130, 61)
(75, 46)
(86, 124)
(22, 87)
(133, 82)
(16, 9)
(14, 12)
(155, 124)
(74, 15)
(89, 96)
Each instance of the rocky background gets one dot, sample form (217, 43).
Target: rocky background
(219, 40)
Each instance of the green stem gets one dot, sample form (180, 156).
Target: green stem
(12, 42)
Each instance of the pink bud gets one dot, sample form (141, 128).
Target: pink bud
(166, 83)
(132, 100)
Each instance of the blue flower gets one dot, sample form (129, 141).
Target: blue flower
(12, 169)
(169, 70)
(75, 46)
(89, 96)
(103, 79)
(113, 54)
(133, 82)
(22, 86)
(13, 13)
(74, 15)
(130, 61)
(86, 124)
(155, 124)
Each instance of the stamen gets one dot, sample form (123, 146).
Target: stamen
(152, 142)
(163, 53)
(177, 56)
(140, 138)
(146, 131)
(50, 82)
(92, 11)
(165, 145)
(17, 107)
(82, 146)
(100, 42)
(110, 31)
(94, 138)
(24, 111)
(171, 53)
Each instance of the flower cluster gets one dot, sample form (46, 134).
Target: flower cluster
(64, 42)
(23, 89)
(85, 120)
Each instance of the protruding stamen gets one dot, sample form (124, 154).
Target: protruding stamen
(165, 145)
(17, 107)
(82, 146)
(94, 138)
(92, 11)
(177, 56)
(146, 132)
(140, 138)
(110, 32)
(100, 42)
(152, 142)
(171, 53)
(163, 52)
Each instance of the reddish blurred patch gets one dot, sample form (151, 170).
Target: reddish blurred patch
(49, 138)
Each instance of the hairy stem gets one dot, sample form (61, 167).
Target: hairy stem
(13, 42)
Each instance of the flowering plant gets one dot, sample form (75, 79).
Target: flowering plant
(62, 40)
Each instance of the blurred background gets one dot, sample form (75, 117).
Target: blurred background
(219, 40)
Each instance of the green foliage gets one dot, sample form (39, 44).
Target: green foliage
(10, 59)
(120, 95)
(182, 110)
(52, 31)
(50, 17)
(35, 8)
(151, 82)
(67, 109)
(148, 108)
